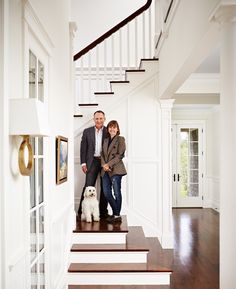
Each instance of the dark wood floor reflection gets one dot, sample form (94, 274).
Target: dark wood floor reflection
(196, 249)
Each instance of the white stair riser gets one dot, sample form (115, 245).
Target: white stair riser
(99, 238)
(137, 278)
(150, 66)
(108, 257)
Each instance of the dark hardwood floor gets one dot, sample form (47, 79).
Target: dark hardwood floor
(196, 249)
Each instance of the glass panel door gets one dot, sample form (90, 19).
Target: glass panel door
(187, 166)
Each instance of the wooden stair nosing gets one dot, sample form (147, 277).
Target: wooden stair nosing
(101, 227)
(135, 70)
(135, 242)
(119, 81)
(114, 268)
(105, 92)
(118, 287)
(159, 260)
(88, 104)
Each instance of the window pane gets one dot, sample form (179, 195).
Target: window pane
(40, 81)
(32, 188)
(34, 277)
(33, 239)
(194, 148)
(42, 272)
(40, 146)
(193, 134)
(32, 75)
(41, 228)
(193, 190)
(193, 162)
(40, 180)
(193, 176)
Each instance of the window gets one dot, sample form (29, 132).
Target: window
(37, 205)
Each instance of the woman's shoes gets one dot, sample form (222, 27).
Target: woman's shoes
(114, 219)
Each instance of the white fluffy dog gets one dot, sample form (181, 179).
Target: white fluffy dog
(90, 206)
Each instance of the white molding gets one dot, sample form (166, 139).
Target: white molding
(166, 27)
(138, 219)
(4, 126)
(201, 83)
(121, 278)
(37, 28)
(225, 11)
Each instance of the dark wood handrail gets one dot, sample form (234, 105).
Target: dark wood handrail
(112, 30)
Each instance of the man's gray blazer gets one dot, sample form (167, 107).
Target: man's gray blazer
(87, 147)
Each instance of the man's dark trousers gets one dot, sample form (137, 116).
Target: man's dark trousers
(91, 177)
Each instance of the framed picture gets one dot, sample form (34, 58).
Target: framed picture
(61, 159)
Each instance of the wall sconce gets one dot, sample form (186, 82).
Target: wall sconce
(28, 117)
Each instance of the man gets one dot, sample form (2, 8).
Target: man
(90, 157)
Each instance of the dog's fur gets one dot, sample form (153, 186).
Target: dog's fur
(90, 208)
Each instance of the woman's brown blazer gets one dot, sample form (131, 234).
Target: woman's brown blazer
(113, 155)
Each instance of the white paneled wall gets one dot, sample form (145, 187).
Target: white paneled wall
(138, 114)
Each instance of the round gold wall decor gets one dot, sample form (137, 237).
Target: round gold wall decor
(26, 170)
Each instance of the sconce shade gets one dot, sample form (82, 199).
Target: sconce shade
(28, 116)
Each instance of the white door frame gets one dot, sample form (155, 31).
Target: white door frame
(174, 152)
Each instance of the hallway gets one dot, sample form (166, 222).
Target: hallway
(196, 249)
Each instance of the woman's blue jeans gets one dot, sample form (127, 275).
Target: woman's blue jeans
(115, 200)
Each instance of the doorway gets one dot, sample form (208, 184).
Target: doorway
(187, 163)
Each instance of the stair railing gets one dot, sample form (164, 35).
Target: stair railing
(120, 48)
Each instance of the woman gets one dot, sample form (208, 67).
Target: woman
(113, 169)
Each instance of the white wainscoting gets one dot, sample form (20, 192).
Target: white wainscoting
(61, 239)
(212, 198)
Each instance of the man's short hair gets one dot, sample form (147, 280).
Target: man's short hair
(99, 111)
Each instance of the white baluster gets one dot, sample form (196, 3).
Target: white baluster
(97, 68)
(150, 31)
(89, 77)
(105, 65)
(128, 47)
(144, 35)
(120, 40)
(81, 98)
(112, 57)
(136, 42)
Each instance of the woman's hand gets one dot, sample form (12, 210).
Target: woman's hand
(106, 168)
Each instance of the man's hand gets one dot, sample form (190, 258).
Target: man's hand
(84, 168)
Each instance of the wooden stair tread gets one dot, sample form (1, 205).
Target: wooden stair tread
(135, 70)
(135, 241)
(105, 92)
(119, 81)
(88, 104)
(114, 267)
(118, 287)
(101, 227)
(158, 260)
(149, 59)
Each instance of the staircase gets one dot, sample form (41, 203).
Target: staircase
(107, 100)
(116, 254)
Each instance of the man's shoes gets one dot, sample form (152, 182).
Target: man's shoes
(114, 219)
